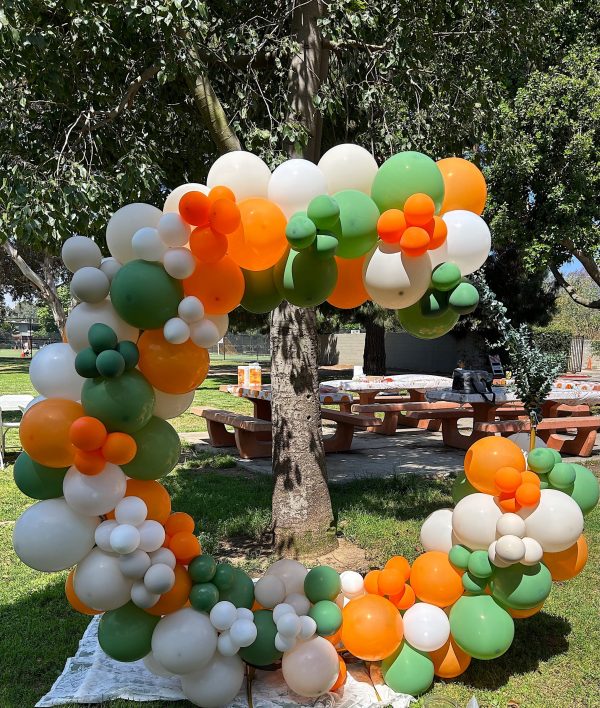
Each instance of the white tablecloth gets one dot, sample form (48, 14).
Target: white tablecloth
(394, 383)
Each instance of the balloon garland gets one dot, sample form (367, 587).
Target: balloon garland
(96, 439)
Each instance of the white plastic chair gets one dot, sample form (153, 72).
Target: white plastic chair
(10, 403)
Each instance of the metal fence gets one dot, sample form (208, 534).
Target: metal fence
(242, 347)
(575, 360)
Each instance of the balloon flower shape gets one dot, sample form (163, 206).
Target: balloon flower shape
(96, 446)
(415, 229)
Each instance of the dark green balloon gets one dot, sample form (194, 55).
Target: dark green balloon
(541, 460)
(110, 364)
(562, 476)
(459, 556)
(521, 586)
(404, 174)
(130, 353)
(202, 568)
(262, 651)
(158, 450)
(434, 304)
(145, 295)
(102, 337)
(357, 230)
(241, 592)
(328, 617)
(204, 596)
(446, 277)
(423, 326)
(124, 404)
(224, 576)
(464, 298)
(408, 670)
(300, 231)
(324, 212)
(481, 627)
(260, 293)
(461, 488)
(304, 279)
(85, 363)
(322, 583)
(585, 490)
(472, 584)
(38, 481)
(125, 634)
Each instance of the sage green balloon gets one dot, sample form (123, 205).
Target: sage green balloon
(461, 488)
(328, 617)
(479, 564)
(326, 246)
(304, 279)
(322, 583)
(158, 450)
(324, 212)
(300, 231)
(424, 326)
(204, 596)
(562, 476)
(357, 229)
(446, 277)
(145, 295)
(404, 174)
(472, 584)
(38, 481)
(585, 490)
(541, 460)
(481, 627)
(459, 556)
(521, 587)
(262, 651)
(125, 634)
(464, 298)
(408, 670)
(434, 304)
(260, 292)
(241, 591)
(123, 404)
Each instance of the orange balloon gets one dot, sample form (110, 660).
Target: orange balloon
(391, 225)
(566, 564)
(220, 192)
(87, 433)
(90, 463)
(523, 614)
(401, 563)
(371, 627)
(343, 674)
(486, 456)
(419, 209)
(435, 580)
(220, 286)
(194, 208)
(464, 185)
(372, 582)
(508, 502)
(207, 245)
(178, 522)
(437, 230)
(507, 479)
(119, 448)
(74, 601)
(177, 596)
(224, 216)
(349, 290)
(259, 242)
(44, 431)
(391, 581)
(172, 368)
(528, 494)
(185, 546)
(405, 599)
(414, 241)
(153, 494)
(529, 477)
(450, 660)
(335, 638)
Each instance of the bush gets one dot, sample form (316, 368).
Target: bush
(596, 347)
(552, 340)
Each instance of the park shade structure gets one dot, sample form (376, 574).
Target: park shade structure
(97, 439)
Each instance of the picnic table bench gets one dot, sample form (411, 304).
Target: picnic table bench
(417, 414)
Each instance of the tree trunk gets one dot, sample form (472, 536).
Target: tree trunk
(302, 513)
(374, 352)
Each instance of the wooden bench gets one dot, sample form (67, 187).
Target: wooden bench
(252, 436)
(428, 418)
(585, 429)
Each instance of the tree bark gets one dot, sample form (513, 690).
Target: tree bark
(374, 352)
(301, 506)
(572, 292)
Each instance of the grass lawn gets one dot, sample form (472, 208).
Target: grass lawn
(552, 662)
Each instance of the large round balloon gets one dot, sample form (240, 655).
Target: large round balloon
(94, 494)
(467, 244)
(262, 651)
(172, 368)
(474, 521)
(405, 174)
(408, 670)
(44, 431)
(259, 242)
(144, 294)
(158, 449)
(521, 587)
(36, 480)
(99, 583)
(52, 372)
(219, 286)
(357, 231)
(84, 315)
(184, 641)
(584, 490)
(217, 683)
(486, 456)
(436, 531)
(372, 627)
(450, 660)
(311, 667)
(171, 405)
(294, 183)
(261, 294)
(426, 626)
(243, 172)
(556, 522)
(50, 536)
(349, 289)
(125, 634)
(348, 166)
(171, 204)
(124, 223)
(304, 278)
(566, 564)
(435, 580)
(464, 185)
(480, 627)
(417, 320)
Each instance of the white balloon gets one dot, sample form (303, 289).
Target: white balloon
(283, 643)
(50, 536)
(80, 252)
(510, 524)
(244, 613)
(184, 641)
(99, 583)
(353, 584)
(163, 555)
(172, 201)
(394, 280)
(152, 535)
(282, 609)
(204, 333)
(94, 494)
(159, 578)
(142, 597)
(221, 322)
(190, 309)
(217, 684)
(522, 440)
(110, 267)
(533, 551)
(243, 632)
(289, 625)
(299, 602)
(176, 331)
(495, 559)
(426, 627)
(124, 539)
(124, 223)
(467, 244)
(308, 627)
(84, 315)
(102, 534)
(510, 549)
(90, 285)
(436, 532)
(179, 263)
(555, 523)
(173, 230)
(294, 183)
(154, 667)
(292, 573)
(170, 405)
(474, 521)
(134, 565)
(147, 245)
(348, 166)
(243, 172)
(131, 510)
(311, 668)
(269, 591)
(226, 646)
(52, 372)
(223, 615)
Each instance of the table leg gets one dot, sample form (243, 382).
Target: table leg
(451, 435)
(431, 424)
(262, 410)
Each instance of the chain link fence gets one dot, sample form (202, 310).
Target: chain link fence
(242, 347)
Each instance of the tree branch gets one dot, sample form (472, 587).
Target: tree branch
(573, 294)
(342, 45)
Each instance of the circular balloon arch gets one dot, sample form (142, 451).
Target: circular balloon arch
(405, 235)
